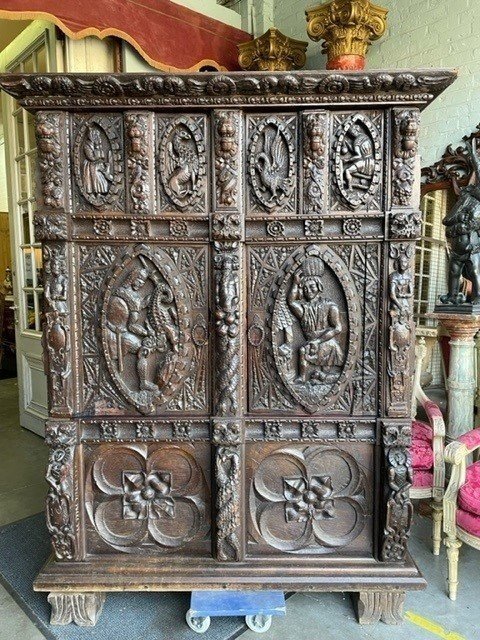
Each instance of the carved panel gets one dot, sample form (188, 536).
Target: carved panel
(144, 498)
(398, 480)
(401, 329)
(315, 144)
(50, 132)
(288, 368)
(140, 163)
(406, 123)
(182, 163)
(271, 163)
(57, 329)
(62, 521)
(98, 162)
(153, 337)
(356, 163)
(308, 499)
(227, 129)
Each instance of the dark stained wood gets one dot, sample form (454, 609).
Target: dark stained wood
(228, 331)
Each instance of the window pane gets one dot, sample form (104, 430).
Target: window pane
(25, 223)
(29, 310)
(37, 255)
(28, 64)
(38, 319)
(31, 131)
(19, 137)
(42, 60)
(22, 179)
(27, 268)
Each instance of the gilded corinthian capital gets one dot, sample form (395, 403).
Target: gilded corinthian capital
(347, 28)
(272, 52)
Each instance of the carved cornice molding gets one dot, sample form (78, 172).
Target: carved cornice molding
(211, 89)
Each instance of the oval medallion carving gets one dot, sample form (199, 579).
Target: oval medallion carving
(271, 159)
(146, 328)
(97, 162)
(315, 338)
(182, 162)
(357, 160)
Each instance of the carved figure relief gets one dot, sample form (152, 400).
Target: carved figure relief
(307, 499)
(57, 340)
(405, 147)
(98, 162)
(226, 135)
(401, 326)
(356, 164)
(312, 333)
(142, 495)
(146, 328)
(271, 163)
(138, 129)
(315, 127)
(181, 163)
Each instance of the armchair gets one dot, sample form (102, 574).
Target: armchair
(427, 450)
(461, 503)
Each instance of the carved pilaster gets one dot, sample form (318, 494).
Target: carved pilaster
(57, 332)
(406, 123)
(140, 162)
(396, 436)
(227, 438)
(373, 606)
(401, 329)
(83, 609)
(227, 132)
(62, 517)
(315, 127)
(51, 132)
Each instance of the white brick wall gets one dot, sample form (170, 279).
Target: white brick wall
(421, 33)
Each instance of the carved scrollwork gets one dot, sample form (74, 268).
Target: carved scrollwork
(405, 148)
(227, 128)
(227, 317)
(138, 130)
(61, 437)
(315, 127)
(147, 328)
(49, 145)
(182, 163)
(399, 509)
(357, 156)
(98, 161)
(271, 163)
(401, 328)
(161, 493)
(298, 495)
(314, 338)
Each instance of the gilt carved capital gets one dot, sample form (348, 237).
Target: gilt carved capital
(272, 52)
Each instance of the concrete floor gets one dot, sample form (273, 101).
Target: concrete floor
(429, 614)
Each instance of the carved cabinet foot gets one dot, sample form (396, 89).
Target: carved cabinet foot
(373, 606)
(82, 608)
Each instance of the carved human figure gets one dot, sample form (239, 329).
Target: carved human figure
(463, 225)
(319, 319)
(359, 161)
(129, 318)
(97, 173)
(401, 283)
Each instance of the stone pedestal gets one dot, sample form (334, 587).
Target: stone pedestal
(461, 372)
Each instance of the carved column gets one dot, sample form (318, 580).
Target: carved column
(227, 235)
(461, 371)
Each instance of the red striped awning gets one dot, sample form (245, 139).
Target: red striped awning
(167, 35)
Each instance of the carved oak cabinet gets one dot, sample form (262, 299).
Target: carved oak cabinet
(228, 331)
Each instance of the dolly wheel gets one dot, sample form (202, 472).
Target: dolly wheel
(198, 624)
(259, 623)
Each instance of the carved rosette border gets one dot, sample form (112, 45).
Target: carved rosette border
(63, 520)
(139, 133)
(315, 145)
(396, 438)
(227, 436)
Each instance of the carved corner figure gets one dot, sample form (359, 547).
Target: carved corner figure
(462, 230)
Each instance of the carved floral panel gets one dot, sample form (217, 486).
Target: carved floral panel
(308, 499)
(144, 498)
(145, 341)
(98, 164)
(310, 347)
(181, 163)
(356, 160)
(271, 163)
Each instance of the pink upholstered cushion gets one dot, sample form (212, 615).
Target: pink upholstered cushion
(469, 494)
(469, 522)
(471, 439)
(432, 410)
(421, 449)
(422, 478)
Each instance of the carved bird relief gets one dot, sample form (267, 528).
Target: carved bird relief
(272, 166)
(182, 164)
